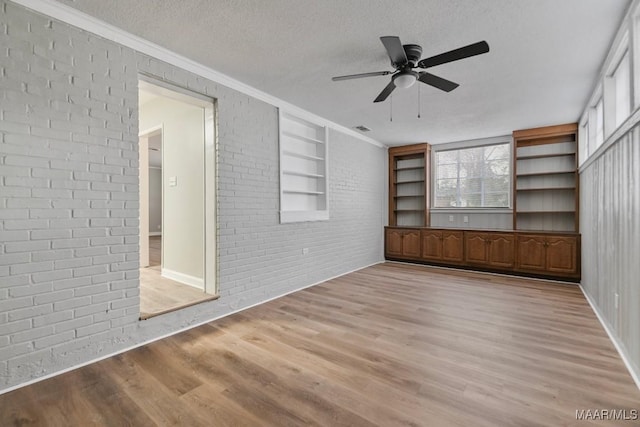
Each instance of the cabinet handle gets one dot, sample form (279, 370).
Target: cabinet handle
(546, 244)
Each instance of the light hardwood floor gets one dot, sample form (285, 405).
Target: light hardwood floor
(389, 345)
(159, 295)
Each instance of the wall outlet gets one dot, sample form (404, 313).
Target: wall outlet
(616, 300)
(465, 218)
(450, 218)
(305, 251)
(173, 181)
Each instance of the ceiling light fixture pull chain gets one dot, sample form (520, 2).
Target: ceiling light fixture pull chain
(419, 103)
(391, 108)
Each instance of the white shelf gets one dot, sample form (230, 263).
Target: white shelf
(303, 170)
(546, 189)
(544, 156)
(315, 193)
(301, 156)
(302, 137)
(305, 174)
(547, 173)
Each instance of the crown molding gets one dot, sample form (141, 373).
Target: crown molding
(98, 27)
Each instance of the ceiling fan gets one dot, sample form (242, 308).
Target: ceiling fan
(405, 58)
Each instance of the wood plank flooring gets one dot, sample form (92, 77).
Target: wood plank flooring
(155, 251)
(159, 295)
(389, 345)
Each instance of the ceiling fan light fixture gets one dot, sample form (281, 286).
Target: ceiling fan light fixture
(405, 79)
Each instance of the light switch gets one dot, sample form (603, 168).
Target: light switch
(466, 218)
(173, 181)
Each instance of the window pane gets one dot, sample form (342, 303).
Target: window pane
(599, 123)
(477, 177)
(448, 171)
(623, 90)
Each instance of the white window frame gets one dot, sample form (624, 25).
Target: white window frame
(599, 122)
(463, 145)
(583, 141)
(634, 61)
(621, 78)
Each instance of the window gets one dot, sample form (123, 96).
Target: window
(599, 113)
(303, 170)
(584, 143)
(477, 177)
(621, 78)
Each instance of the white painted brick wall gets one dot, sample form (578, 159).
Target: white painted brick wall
(69, 283)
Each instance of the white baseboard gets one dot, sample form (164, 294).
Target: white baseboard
(196, 282)
(155, 233)
(617, 344)
(186, 328)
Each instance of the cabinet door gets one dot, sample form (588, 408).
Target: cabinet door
(501, 250)
(411, 244)
(531, 253)
(394, 243)
(562, 254)
(432, 245)
(475, 248)
(452, 246)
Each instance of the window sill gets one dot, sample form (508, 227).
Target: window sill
(472, 210)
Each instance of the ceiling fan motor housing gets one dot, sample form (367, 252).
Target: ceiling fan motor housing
(414, 52)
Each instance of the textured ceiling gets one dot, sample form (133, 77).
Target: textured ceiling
(544, 59)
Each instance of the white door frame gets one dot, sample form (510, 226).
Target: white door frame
(210, 199)
(143, 155)
(209, 104)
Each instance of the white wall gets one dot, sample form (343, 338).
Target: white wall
(492, 220)
(155, 200)
(610, 227)
(183, 159)
(69, 201)
(610, 201)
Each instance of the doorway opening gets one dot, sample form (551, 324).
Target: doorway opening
(177, 198)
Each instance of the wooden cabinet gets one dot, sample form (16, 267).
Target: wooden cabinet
(442, 245)
(402, 243)
(548, 253)
(553, 255)
(562, 255)
(501, 250)
(491, 249)
(531, 253)
(476, 247)
(409, 185)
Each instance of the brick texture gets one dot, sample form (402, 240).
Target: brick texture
(69, 200)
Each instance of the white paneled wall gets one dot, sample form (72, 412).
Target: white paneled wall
(610, 193)
(610, 218)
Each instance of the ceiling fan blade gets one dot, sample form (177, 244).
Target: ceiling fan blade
(358, 76)
(394, 50)
(456, 54)
(437, 82)
(385, 92)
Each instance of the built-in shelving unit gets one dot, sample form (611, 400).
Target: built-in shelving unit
(546, 179)
(409, 185)
(303, 170)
